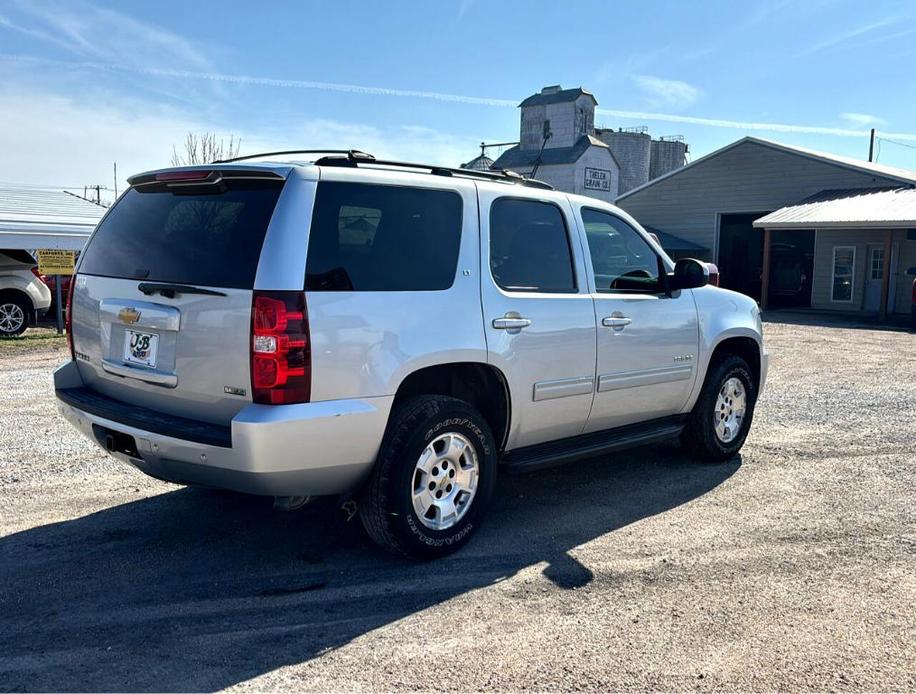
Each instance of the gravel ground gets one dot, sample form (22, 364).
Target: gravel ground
(791, 568)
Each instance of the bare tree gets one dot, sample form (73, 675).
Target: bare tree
(205, 149)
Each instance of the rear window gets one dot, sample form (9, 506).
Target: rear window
(383, 238)
(200, 238)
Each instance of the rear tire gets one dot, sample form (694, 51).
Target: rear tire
(433, 480)
(721, 418)
(14, 316)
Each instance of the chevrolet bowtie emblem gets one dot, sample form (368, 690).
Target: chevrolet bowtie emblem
(129, 315)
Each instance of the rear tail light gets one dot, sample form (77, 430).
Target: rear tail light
(914, 293)
(68, 318)
(713, 274)
(193, 175)
(37, 274)
(281, 357)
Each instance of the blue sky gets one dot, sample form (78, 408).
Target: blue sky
(85, 84)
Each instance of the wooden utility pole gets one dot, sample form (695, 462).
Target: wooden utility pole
(871, 146)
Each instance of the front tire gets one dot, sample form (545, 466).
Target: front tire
(721, 419)
(14, 316)
(433, 479)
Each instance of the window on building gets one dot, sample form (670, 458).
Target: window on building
(383, 238)
(529, 247)
(876, 264)
(622, 259)
(844, 267)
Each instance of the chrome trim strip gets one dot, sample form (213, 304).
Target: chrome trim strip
(643, 377)
(562, 388)
(148, 375)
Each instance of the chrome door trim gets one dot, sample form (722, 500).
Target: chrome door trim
(643, 377)
(562, 388)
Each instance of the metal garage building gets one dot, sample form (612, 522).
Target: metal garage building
(34, 217)
(724, 201)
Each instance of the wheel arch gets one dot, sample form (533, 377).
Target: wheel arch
(742, 346)
(481, 385)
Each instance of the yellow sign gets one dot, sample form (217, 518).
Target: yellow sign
(53, 262)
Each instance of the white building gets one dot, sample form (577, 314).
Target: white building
(560, 145)
(557, 144)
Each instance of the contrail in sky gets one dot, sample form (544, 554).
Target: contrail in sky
(250, 80)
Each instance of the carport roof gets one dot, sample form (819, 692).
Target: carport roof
(43, 217)
(882, 208)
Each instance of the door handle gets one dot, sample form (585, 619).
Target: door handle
(616, 322)
(511, 323)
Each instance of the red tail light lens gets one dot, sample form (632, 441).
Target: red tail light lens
(36, 273)
(68, 318)
(195, 175)
(281, 358)
(914, 293)
(713, 274)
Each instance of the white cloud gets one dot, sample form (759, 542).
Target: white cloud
(103, 34)
(666, 92)
(53, 140)
(862, 120)
(843, 37)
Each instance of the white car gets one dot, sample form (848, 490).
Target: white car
(395, 332)
(23, 296)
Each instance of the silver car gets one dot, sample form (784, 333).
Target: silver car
(394, 332)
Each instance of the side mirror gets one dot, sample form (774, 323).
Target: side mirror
(688, 274)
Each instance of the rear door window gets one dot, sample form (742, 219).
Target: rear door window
(378, 238)
(529, 247)
(203, 238)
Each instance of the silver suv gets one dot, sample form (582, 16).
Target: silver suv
(394, 332)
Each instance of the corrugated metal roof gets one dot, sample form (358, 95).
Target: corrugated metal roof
(857, 208)
(556, 97)
(889, 172)
(514, 157)
(479, 163)
(40, 217)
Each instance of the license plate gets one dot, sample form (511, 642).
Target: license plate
(141, 348)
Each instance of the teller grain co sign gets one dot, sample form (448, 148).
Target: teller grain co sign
(598, 179)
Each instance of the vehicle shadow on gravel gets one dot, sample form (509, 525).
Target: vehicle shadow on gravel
(198, 590)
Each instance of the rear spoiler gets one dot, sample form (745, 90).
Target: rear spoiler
(202, 176)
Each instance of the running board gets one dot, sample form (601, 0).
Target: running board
(569, 450)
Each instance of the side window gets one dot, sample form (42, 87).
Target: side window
(382, 238)
(621, 258)
(529, 247)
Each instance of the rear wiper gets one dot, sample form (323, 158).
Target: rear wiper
(170, 290)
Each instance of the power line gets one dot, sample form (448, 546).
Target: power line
(902, 144)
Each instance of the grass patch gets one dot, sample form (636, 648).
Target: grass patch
(33, 339)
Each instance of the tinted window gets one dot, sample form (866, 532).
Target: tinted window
(621, 258)
(212, 239)
(529, 247)
(383, 238)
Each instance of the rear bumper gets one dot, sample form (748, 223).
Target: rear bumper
(284, 450)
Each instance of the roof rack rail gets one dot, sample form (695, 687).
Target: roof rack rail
(351, 154)
(503, 175)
